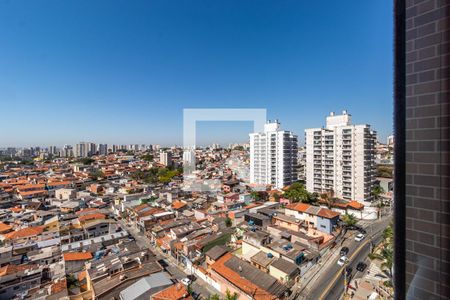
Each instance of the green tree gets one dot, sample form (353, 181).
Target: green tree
(277, 197)
(388, 235)
(385, 171)
(85, 161)
(349, 220)
(214, 297)
(298, 193)
(386, 253)
(230, 296)
(96, 174)
(329, 198)
(376, 192)
(228, 222)
(166, 175)
(72, 281)
(255, 195)
(189, 289)
(147, 157)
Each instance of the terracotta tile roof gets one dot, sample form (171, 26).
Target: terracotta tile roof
(301, 207)
(25, 232)
(31, 186)
(33, 192)
(242, 283)
(59, 286)
(251, 205)
(327, 213)
(71, 256)
(81, 275)
(4, 227)
(85, 210)
(175, 292)
(150, 212)
(355, 204)
(15, 209)
(11, 269)
(92, 217)
(179, 245)
(58, 183)
(140, 207)
(178, 205)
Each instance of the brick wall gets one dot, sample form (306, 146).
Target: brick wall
(427, 149)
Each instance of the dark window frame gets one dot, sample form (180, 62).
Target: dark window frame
(399, 146)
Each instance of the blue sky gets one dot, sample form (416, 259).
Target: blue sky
(122, 71)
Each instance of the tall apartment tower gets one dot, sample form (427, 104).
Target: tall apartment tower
(102, 149)
(84, 149)
(340, 158)
(80, 150)
(165, 158)
(273, 156)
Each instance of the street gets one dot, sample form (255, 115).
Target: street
(330, 279)
(326, 283)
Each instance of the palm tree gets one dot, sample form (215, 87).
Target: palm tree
(329, 198)
(229, 296)
(349, 220)
(377, 191)
(388, 235)
(387, 255)
(255, 195)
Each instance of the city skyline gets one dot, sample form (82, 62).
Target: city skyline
(114, 78)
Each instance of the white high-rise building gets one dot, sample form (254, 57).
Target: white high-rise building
(80, 150)
(273, 156)
(165, 158)
(84, 149)
(340, 158)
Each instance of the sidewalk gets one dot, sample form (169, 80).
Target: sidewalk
(310, 277)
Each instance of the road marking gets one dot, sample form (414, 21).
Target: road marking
(339, 273)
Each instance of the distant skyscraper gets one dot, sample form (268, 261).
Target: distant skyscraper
(273, 156)
(390, 141)
(165, 158)
(84, 149)
(103, 149)
(66, 151)
(340, 158)
(80, 150)
(91, 149)
(52, 150)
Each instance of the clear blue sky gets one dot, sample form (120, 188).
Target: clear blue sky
(122, 71)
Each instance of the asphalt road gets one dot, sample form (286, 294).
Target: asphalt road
(330, 284)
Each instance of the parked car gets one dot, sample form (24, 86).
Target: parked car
(362, 230)
(342, 260)
(344, 251)
(359, 237)
(186, 281)
(361, 266)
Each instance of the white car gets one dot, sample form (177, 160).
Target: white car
(359, 237)
(186, 281)
(342, 260)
